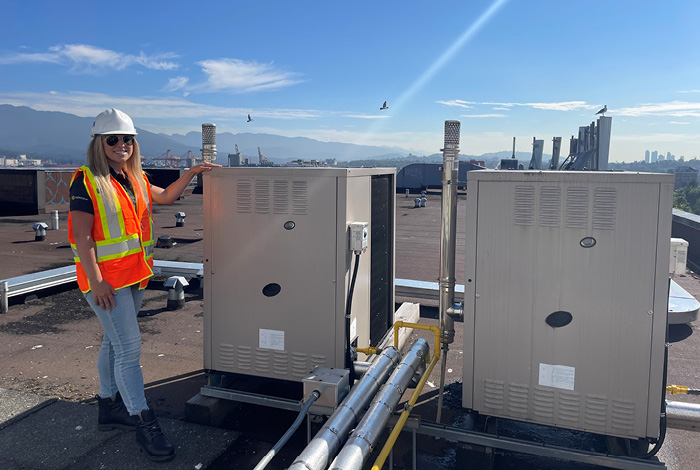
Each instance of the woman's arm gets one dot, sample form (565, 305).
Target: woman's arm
(175, 189)
(102, 291)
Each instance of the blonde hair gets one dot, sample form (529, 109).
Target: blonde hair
(97, 162)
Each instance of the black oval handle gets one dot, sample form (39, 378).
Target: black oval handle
(559, 318)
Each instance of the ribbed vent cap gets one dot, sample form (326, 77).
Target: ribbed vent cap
(452, 133)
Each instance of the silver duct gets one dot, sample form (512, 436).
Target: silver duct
(682, 415)
(448, 229)
(367, 433)
(448, 244)
(328, 440)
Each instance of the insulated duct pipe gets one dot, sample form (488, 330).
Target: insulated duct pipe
(367, 433)
(682, 415)
(326, 443)
(448, 244)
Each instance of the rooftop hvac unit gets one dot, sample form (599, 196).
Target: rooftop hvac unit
(576, 339)
(278, 266)
(679, 256)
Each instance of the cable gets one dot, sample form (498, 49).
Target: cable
(348, 306)
(277, 447)
(662, 424)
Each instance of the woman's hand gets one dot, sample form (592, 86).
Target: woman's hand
(202, 167)
(176, 188)
(103, 294)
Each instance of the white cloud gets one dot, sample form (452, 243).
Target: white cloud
(176, 83)
(482, 115)
(658, 138)
(84, 58)
(91, 104)
(671, 109)
(501, 109)
(366, 116)
(457, 103)
(241, 76)
(554, 106)
(679, 122)
(688, 91)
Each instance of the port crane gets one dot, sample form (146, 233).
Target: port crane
(262, 160)
(171, 160)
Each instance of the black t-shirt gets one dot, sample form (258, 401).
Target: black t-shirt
(80, 199)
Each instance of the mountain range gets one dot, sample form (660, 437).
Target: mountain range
(64, 137)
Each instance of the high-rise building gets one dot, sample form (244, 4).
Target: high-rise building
(647, 156)
(668, 156)
(654, 156)
(682, 158)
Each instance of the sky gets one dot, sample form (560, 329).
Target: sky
(322, 69)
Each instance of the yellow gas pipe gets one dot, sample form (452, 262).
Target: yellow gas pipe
(370, 350)
(381, 458)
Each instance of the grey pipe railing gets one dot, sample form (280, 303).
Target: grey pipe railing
(326, 443)
(365, 436)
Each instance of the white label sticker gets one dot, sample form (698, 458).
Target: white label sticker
(557, 376)
(271, 339)
(353, 329)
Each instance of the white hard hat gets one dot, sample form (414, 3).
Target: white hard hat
(113, 121)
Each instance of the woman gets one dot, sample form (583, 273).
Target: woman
(110, 228)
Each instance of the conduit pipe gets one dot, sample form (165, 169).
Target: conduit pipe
(448, 243)
(381, 458)
(326, 443)
(681, 415)
(362, 440)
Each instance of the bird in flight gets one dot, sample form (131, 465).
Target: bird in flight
(384, 106)
(249, 118)
(603, 110)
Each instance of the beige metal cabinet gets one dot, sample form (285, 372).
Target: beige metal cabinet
(566, 291)
(277, 266)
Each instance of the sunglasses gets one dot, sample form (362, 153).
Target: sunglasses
(113, 140)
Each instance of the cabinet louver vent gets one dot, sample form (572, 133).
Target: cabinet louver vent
(524, 207)
(577, 208)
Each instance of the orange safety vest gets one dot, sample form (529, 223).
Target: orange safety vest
(123, 236)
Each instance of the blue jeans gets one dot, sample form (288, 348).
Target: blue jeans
(118, 363)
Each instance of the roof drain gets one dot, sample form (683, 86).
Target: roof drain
(367, 433)
(326, 443)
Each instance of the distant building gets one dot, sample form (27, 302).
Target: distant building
(669, 156)
(684, 176)
(654, 156)
(418, 176)
(235, 159)
(681, 159)
(647, 156)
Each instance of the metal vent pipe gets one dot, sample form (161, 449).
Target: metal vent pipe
(367, 433)
(448, 229)
(326, 443)
(448, 244)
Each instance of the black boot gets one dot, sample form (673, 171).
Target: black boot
(112, 414)
(151, 438)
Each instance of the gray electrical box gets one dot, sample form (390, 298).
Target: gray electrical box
(277, 267)
(566, 295)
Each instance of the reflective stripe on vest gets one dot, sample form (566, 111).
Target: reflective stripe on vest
(112, 249)
(112, 221)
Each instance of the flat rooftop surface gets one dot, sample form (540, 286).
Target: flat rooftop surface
(49, 345)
